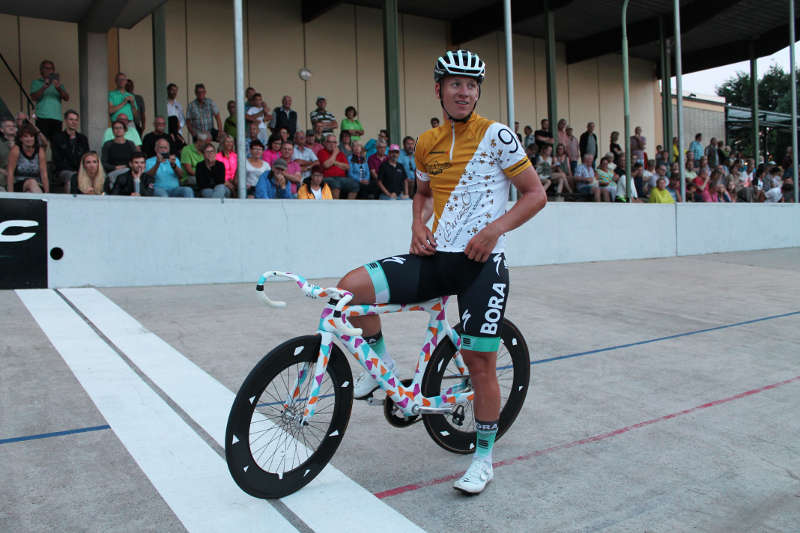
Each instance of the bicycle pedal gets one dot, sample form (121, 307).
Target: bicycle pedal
(372, 400)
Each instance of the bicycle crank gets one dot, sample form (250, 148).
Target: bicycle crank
(394, 415)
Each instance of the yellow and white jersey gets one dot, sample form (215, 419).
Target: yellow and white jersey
(468, 165)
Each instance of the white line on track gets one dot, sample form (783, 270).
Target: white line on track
(208, 402)
(186, 472)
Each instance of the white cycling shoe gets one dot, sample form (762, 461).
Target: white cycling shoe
(475, 479)
(365, 385)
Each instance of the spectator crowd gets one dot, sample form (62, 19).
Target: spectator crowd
(331, 160)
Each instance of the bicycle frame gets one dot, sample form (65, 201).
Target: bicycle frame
(334, 324)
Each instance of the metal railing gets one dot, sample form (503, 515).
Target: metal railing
(30, 103)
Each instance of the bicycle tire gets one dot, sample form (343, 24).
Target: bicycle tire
(258, 425)
(512, 356)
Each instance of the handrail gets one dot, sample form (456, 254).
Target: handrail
(19, 84)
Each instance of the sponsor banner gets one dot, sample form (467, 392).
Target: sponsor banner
(23, 244)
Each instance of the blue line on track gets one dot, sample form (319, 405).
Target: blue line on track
(54, 434)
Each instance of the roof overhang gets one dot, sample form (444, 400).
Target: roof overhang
(96, 15)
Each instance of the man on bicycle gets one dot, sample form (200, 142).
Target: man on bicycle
(466, 166)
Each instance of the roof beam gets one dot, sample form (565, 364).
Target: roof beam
(644, 31)
(490, 18)
(102, 15)
(316, 8)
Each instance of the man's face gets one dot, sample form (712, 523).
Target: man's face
(459, 95)
(253, 130)
(590, 127)
(661, 170)
(382, 136)
(330, 143)
(248, 94)
(587, 160)
(546, 125)
(256, 151)
(47, 70)
(137, 165)
(162, 146)
(160, 125)
(172, 92)
(300, 138)
(287, 102)
(321, 103)
(9, 129)
(381, 148)
(393, 155)
(232, 108)
(71, 121)
(434, 123)
(318, 128)
(287, 149)
(637, 131)
(569, 132)
(121, 81)
(408, 145)
(258, 101)
(200, 93)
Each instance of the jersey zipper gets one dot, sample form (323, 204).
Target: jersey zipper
(453, 140)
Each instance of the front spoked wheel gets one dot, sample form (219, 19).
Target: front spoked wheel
(455, 432)
(269, 450)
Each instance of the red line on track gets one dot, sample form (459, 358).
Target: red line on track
(595, 438)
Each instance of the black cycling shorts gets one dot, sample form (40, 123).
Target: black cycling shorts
(481, 288)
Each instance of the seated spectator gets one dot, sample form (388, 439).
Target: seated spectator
(549, 173)
(359, 171)
(312, 143)
(637, 179)
(130, 133)
(255, 167)
(303, 154)
(335, 167)
(720, 194)
(376, 159)
(120, 101)
(175, 137)
(622, 183)
(191, 155)
(703, 164)
(691, 192)
(166, 169)
(585, 178)
(21, 119)
(733, 194)
(91, 177)
(117, 152)
(27, 163)
(319, 135)
(691, 172)
(774, 194)
(651, 180)
(283, 133)
(605, 180)
(314, 188)
(258, 111)
(703, 182)
(352, 125)
(273, 184)
(159, 132)
(230, 122)
(561, 161)
(202, 114)
(273, 150)
(210, 175)
(8, 134)
(372, 145)
(227, 156)
(392, 180)
(674, 187)
(322, 116)
(293, 173)
(660, 195)
(434, 122)
(345, 146)
(139, 116)
(254, 134)
(134, 182)
(68, 148)
(48, 92)
(532, 151)
(284, 117)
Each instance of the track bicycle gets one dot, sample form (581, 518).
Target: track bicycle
(292, 410)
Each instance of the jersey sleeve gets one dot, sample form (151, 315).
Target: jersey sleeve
(420, 152)
(509, 154)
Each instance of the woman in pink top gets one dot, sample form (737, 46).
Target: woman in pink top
(227, 156)
(703, 182)
(273, 150)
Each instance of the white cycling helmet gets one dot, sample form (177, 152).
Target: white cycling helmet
(459, 63)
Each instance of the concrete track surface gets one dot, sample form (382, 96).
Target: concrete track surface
(664, 398)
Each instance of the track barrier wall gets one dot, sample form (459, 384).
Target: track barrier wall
(119, 241)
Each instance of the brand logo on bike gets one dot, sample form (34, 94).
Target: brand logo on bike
(19, 237)
(395, 259)
(466, 316)
(23, 244)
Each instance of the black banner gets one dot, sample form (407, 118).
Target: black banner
(23, 244)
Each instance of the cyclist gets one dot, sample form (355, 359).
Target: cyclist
(466, 165)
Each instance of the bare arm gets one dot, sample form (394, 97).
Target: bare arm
(422, 240)
(43, 170)
(219, 122)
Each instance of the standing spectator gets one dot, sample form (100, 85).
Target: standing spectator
(407, 161)
(273, 150)
(359, 170)
(91, 177)
(613, 145)
(230, 122)
(227, 156)
(529, 138)
(202, 114)
(191, 155)
(712, 153)
(210, 175)
(345, 143)
(27, 163)
(335, 167)
(351, 124)
(314, 188)
(8, 133)
(585, 178)
(174, 107)
(121, 101)
(134, 182)
(130, 133)
(258, 112)
(165, 168)
(293, 173)
(255, 167)
(139, 117)
(516, 130)
(312, 143)
(68, 149)
(117, 152)
(660, 195)
(323, 116)
(48, 92)
(273, 184)
(543, 136)
(248, 95)
(676, 150)
(638, 145)
(284, 117)
(573, 150)
(392, 180)
(434, 122)
(588, 143)
(696, 147)
(159, 132)
(376, 160)
(561, 132)
(303, 154)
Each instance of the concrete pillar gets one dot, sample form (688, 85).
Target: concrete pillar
(754, 108)
(93, 74)
(550, 62)
(160, 61)
(391, 70)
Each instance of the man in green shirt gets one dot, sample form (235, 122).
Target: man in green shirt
(120, 100)
(191, 155)
(48, 92)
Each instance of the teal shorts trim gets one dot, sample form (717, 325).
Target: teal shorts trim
(379, 282)
(480, 344)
